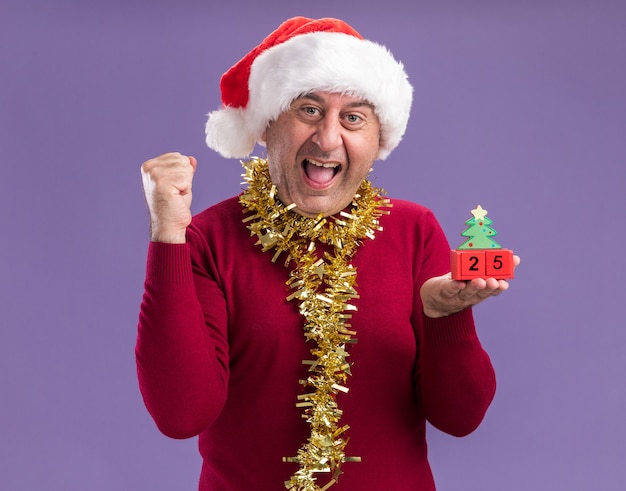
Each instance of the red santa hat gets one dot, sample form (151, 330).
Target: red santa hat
(301, 56)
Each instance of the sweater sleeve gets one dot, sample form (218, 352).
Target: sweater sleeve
(181, 364)
(454, 374)
(457, 380)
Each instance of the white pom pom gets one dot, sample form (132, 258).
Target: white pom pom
(226, 133)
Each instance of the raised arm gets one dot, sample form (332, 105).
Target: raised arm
(181, 364)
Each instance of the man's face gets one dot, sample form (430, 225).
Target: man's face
(320, 150)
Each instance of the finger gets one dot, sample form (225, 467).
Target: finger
(491, 284)
(479, 289)
(493, 289)
(164, 161)
(470, 292)
(475, 285)
(451, 288)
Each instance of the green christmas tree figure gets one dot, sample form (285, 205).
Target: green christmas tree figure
(479, 232)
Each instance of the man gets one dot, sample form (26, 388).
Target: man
(252, 309)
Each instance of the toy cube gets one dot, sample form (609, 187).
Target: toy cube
(499, 264)
(467, 265)
(481, 263)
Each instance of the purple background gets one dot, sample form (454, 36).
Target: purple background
(520, 106)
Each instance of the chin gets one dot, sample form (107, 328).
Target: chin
(314, 211)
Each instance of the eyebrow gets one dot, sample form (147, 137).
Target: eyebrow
(313, 96)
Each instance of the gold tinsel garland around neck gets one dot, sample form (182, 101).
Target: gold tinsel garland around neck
(324, 287)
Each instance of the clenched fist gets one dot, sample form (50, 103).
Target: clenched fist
(167, 183)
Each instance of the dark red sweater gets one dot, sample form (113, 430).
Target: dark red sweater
(220, 350)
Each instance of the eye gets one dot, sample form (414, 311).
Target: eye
(308, 113)
(310, 110)
(354, 120)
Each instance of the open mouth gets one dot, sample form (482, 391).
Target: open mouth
(320, 173)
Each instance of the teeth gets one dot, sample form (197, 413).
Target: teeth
(328, 165)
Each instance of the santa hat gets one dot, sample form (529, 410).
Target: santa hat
(301, 56)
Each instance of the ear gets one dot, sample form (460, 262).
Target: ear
(263, 137)
(380, 145)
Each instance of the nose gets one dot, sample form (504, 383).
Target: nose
(328, 134)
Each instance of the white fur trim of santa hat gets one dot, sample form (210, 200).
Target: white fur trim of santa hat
(324, 60)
